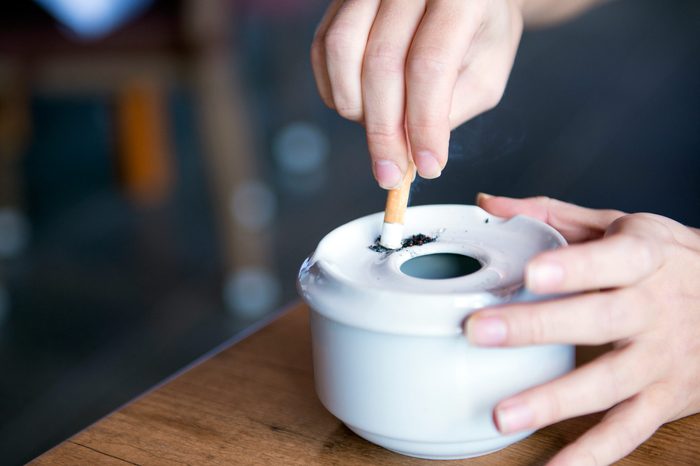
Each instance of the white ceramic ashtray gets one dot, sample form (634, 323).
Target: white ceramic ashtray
(390, 357)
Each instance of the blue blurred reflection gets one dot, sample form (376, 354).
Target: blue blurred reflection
(93, 18)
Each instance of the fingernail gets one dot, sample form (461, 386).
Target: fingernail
(387, 173)
(486, 331)
(544, 276)
(513, 417)
(482, 197)
(427, 164)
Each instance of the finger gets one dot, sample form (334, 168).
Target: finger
(383, 88)
(597, 386)
(575, 223)
(345, 42)
(318, 55)
(615, 261)
(622, 429)
(588, 319)
(482, 81)
(442, 40)
(475, 93)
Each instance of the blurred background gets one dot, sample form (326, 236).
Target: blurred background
(165, 167)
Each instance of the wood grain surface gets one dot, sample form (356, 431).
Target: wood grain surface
(254, 403)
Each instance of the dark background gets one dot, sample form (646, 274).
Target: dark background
(108, 297)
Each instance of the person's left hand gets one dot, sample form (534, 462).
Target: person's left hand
(638, 279)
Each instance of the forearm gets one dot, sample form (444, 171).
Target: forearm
(537, 13)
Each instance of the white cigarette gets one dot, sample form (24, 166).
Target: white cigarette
(396, 204)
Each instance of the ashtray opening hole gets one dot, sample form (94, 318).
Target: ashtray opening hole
(440, 266)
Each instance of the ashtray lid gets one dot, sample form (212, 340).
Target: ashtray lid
(348, 276)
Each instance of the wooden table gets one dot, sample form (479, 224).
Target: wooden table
(253, 402)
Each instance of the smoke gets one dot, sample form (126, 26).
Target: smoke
(487, 138)
(478, 145)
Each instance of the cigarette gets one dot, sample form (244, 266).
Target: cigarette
(396, 204)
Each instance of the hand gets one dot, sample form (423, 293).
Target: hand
(638, 276)
(410, 71)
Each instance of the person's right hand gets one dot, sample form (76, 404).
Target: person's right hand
(410, 71)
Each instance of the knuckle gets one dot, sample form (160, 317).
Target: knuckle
(576, 454)
(337, 41)
(664, 398)
(545, 201)
(642, 252)
(606, 324)
(643, 216)
(383, 64)
(554, 408)
(384, 58)
(427, 122)
(545, 204)
(616, 314)
(620, 376)
(661, 226)
(384, 131)
(590, 458)
(427, 64)
(625, 435)
(611, 214)
(583, 261)
(611, 374)
(347, 110)
(636, 243)
(654, 224)
(629, 436)
(536, 330)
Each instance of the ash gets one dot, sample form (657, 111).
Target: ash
(416, 240)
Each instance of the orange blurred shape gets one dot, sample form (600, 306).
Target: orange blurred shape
(145, 160)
